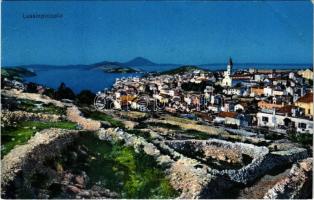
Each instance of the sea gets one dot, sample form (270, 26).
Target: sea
(80, 78)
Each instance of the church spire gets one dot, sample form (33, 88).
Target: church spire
(230, 61)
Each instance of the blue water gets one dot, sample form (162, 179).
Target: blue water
(96, 80)
(77, 79)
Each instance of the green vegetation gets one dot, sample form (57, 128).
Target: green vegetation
(197, 87)
(182, 69)
(85, 97)
(302, 138)
(198, 134)
(16, 73)
(39, 107)
(119, 168)
(141, 133)
(164, 125)
(12, 136)
(64, 92)
(96, 115)
(119, 70)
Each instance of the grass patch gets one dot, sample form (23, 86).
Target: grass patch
(120, 169)
(96, 115)
(198, 134)
(302, 138)
(12, 136)
(39, 107)
(164, 125)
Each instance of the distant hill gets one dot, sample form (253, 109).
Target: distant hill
(139, 61)
(183, 69)
(136, 62)
(113, 67)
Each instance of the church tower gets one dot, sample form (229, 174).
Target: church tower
(229, 67)
(227, 80)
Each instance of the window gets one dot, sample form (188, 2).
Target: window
(302, 125)
(309, 111)
(265, 119)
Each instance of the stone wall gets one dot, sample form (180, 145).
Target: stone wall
(262, 162)
(297, 185)
(196, 180)
(24, 160)
(74, 115)
(8, 117)
(31, 96)
(186, 175)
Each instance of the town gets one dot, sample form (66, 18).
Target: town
(262, 100)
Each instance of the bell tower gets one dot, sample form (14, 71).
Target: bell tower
(229, 67)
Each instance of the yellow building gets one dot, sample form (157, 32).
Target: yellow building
(306, 102)
(308, 74)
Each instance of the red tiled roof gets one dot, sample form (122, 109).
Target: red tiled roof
(286, 109)
(308, 98)
(227, 114)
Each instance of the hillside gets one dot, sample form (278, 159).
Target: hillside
(139, 61)
(182, 69)
(16, 73)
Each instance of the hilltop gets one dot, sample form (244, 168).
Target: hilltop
(183, 69)
(140, 61)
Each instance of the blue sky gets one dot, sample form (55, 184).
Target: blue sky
(183, 32)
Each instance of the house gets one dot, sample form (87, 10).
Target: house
(307, 74)
(306, 102)
(239, 106)
(269, 106)
(273, 120)
(258, 77)
(231, 118)
(257, 91)
(268, 91)
(232, 91)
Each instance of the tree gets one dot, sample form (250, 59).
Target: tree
(50, 92)
(31, 87)
(64, 92)
(85, 97)
(218, 89)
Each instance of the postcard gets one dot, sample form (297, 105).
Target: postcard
(157, 99)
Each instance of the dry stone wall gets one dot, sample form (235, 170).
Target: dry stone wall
(24, 160)
(297, 185)
(74, 115)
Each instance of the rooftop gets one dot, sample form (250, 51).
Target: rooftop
(308, 98)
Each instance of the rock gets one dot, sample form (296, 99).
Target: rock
(80, 180)
(73, 189)
(164, 160)
(59, 168)
(151, 150)
(85, 194)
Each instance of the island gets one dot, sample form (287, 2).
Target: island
(183, 69)
(16, 73)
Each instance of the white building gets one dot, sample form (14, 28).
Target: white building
(232, 91)
(268, 91)
(273, 120)
(227, 80)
